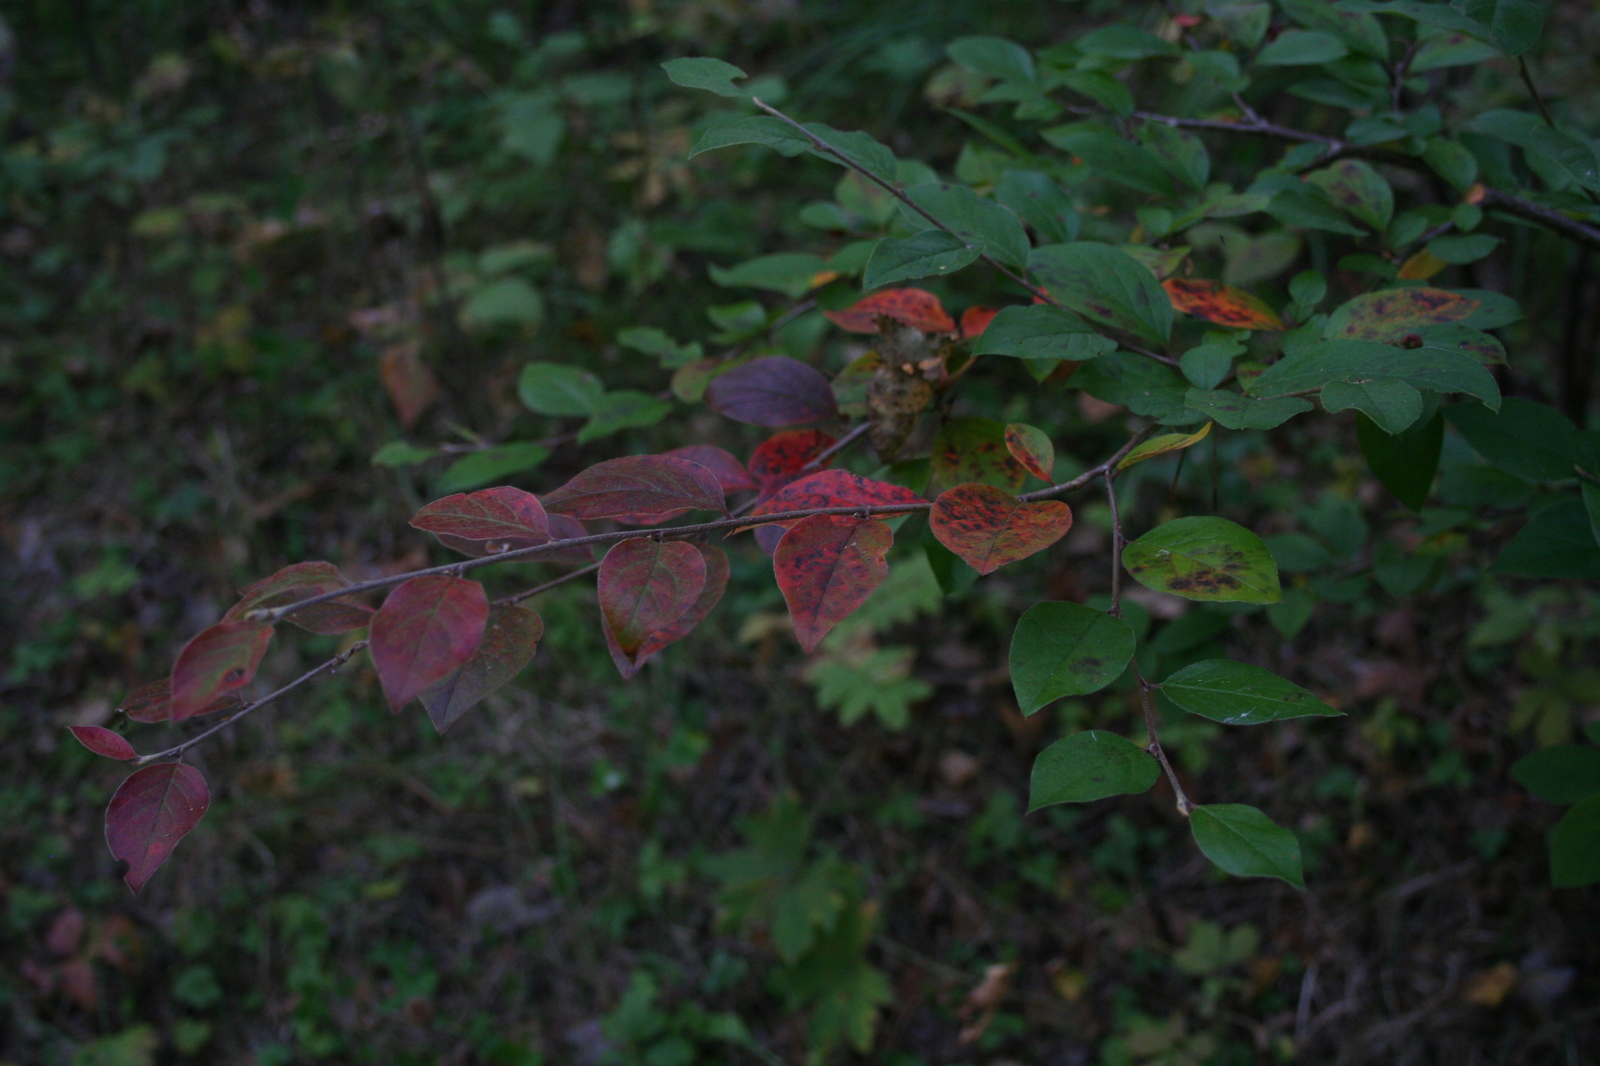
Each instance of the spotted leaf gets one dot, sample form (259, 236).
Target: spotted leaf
(836, 488)
(1031, 447)
(1222, 304)
(916, 308)
(1204, 558)
(827, 566)
(988, 527)
(783, 458)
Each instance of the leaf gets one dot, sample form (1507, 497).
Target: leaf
(623, 409)
(790, 273)
(399, 453)
(975, 449)
(1462, 248)
(1222, 304)
(1236, 411)
(1528, 439)
(153, 702)
(1575, 845)
(1516, 24)
(297, 582)
(729, 472)
(988, 527)
(1315, 365)
(103, 741)
(827, 566)
(1304, 206)
(492, 464)
(1066, 649)
(1388, 404)
(932, 252)
(834, 488)
(1039, 200)
(1301, 48)
(510, 637)
(645, 585)
(1387, 316)
(997, 57)
(1144, 386)
(1088, 766)
(1359, 190)
(712, 75)
(426, 629)
(1204, 558)
(559, 390)
(1182, 153)
(1404, 462)
(508, 301)
(916, 308)
(1031, 447)
(150, 812)
(716, 582)
(1106, 285)
(1556, 542)
(984, 225)
(1239, 694)
(1246, 843)
(637, 485)
(1564, 773)
(217, 661)
(1041, 332)
(1114, 159)
(859, 148)
(1162, 445)
(489, 521)
(760, 129)
(410, 382)
(975, 320)
(783, 457)
(772, 391)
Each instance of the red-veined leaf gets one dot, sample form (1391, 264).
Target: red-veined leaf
(103, 741)
(772, 391)
(827, 566)
(644, 586)
(783, 457)
(716, 561)
(217, 661)
(425, 630)
(989, 527)
(637, 486)
(150, 812)
(300, 581)
(486, 522)
(916, 308)
(728, 471)
(1219, 303)
(974, 320)
(153, 702)
(834, 488)
(510, 638)
(975, 449)
(1031, 447)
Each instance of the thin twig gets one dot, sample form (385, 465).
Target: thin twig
(1153, 744)
(1533, 91)
(1116, 544)
(837, 446)
(510, 601)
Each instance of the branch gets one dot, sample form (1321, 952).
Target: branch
(1116, 544)
(511, 601)
(1153, 745)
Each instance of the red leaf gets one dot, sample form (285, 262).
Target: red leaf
(782, 457)
(153, 702)
(834, 488)
(297, 582)
(1219, 303)
(772, 391)
(1030, 446)
(974, 320)
(645, 585)
(827, 566)
(103, 741)
(916, 308)
(723, 466)
(426, 629)
(150, 812)
(411, 384)
(716, 582)
(217, 661)
(637, 485)
(509, 640)
(989, 527)
(486, 522)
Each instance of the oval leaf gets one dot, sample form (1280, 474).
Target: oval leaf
(988, 527)
(1239, 694)
(716, 562)
(1575, 845)
(772, 391)
(297, 582)
(1066, 649)
(1222, 304)
(644, 586)
(217, 661)
(497, 516)
(153, 702)
(1032, 448)
(637, 485)
(510, 638)
(827, 566)
(783, 457)
(1167, 442)
(916, 308)
(835, 488)
(425, 630)
(1246, 843)
(1089, 766)
(1107, 285)
(150, 812)
(1204, 558)
(103, 741)
(1387, 316)
(1564, 773)
(728, 471)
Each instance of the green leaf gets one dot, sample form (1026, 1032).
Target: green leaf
(1089, 766)
(1204, 558)
(1246, 843)
(1124, 42)
(712, 75)
(1182, 153)
(491, 464)
(1308, 207)
(1066, 649)
(505, 301)
(1391, 405)
(1041, 331)
(761, 129)
(1207, 365)
(857, 147)
(997, 57)
(1556, 542)
(1315, 365)
(1114, 159)
(1564, 773)
(974, 449)
(400, 453)
(1451, 162)
(1516, 24)
(1301, 48)
(1591, 505)
(787, 272)
(1575, 845)
(1239, 694)
(1039, 200)
(1358, 189)
(1404, 462)
(1102, 88)
(559, 390)
(1106, 285)
(1528, 439)
(1237, 411)
(623, 409)
(1458, 248)
(985, 225)
(932, 252)
(1142, 385)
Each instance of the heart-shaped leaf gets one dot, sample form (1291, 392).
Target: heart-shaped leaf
(1066, 649)
(645, 585)
(716, 563)
(827, 566)
(1089, 766)
(216, 662)
(427, 628)
(150, 812)
(988, 527)
(1204, 558)
(642, 485)
(835, 488)
(510, 637)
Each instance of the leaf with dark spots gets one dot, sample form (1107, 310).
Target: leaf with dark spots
(1387, 316)
(150, 812)
(1204, 558)
(298, 582)
(510, 637)
(637, 485)
(916, 308)
(644, 586)
(975, 449)
(1222, 304)
(974, 320)
(1031, 447)
(498, 519)
(834, 488)
(783, 458)
(827, 566)
(103, 741)
(988, 527)
(728, 471)
(772, 391)
(153, 702)
(425, 630)
(218, 661)
(716, 562)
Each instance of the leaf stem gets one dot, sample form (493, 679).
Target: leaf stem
(1116, 543)
(1153, 743)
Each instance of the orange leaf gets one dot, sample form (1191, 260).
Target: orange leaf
(1219, 303)
(988, 527)
(916, 308)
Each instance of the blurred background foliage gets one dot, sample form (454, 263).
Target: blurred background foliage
(250, 247)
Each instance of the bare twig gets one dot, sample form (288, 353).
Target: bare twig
(1152, 726)
(509, 601)
(837, 446)
(1116, 543)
